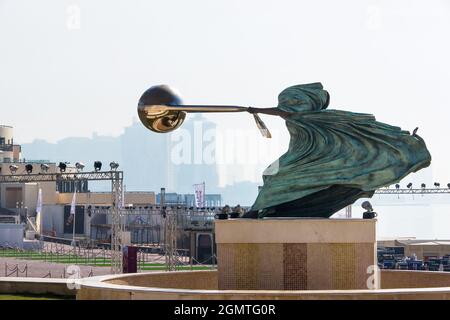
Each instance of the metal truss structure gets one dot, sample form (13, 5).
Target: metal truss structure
(116, 178)
(170, 240)
(413, 191)
(385, 191)
(117, 223)
(73, 176)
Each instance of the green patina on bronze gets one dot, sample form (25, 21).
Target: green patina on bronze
(334, 157)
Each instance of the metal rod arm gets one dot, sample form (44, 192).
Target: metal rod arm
(159, 109)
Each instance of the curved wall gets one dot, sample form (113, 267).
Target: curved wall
(202, 285)
(202, 280)
(414, 279)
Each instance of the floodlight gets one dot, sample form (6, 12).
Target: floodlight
(409, 185)
(366, 205)
(29, 168)
(437, 184)
(79, 166)
(13, 168)
(97, 166)
(44, 167)
(62, 167)
(114, 165)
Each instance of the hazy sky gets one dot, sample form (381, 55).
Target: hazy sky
(71, 68)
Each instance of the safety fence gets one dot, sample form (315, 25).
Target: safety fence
(16, 271)
(147, 227)
(51, 252)
(59, 253)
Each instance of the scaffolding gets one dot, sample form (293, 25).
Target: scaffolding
(170, 240)
(117, 223)
(116, 178)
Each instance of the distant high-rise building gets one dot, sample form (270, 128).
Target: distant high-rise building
(200, 166)
(145, 158)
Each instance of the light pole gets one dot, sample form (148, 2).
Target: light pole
(19, 207)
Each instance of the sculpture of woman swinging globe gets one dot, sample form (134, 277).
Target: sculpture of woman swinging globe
(334, 157)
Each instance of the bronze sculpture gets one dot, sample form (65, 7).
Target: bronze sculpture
(334, 157)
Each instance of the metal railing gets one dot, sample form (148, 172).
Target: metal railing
(14, 219)
(16, 271)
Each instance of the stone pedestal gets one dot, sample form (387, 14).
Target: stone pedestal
(295, 254)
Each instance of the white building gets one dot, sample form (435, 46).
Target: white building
(9, 152)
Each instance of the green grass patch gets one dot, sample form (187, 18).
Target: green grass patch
(34, 297)
(178, 268)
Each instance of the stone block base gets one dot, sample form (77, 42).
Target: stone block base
(295, 254)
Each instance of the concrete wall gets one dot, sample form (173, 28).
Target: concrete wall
(11, 234)
(6, 156)
(7, 199)
(104, 198)
(138, 198)
(29, 194)
(53, 219)
(414, 279)
(30, 191)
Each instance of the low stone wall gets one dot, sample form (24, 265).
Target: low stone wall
(18, 285)
(391, 279)
(202, 280)
(11, 235)
(202, 285)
